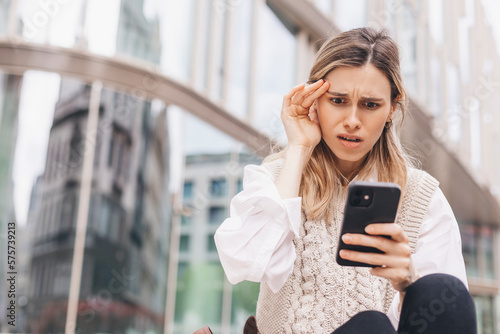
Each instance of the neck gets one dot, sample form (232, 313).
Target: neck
(348, 169)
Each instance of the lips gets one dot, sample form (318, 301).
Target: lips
(351, 138)
(350, 141)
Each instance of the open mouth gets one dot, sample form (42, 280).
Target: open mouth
(355, 140)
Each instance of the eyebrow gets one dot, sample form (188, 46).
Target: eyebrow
(370, 98)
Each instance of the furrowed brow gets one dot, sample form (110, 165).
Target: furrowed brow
(364, 98)
(338, 94)
(371, 98)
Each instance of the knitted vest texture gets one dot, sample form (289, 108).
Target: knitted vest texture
(319, 296)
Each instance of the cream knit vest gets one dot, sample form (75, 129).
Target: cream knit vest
(320, 295)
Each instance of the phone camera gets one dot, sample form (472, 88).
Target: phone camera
(361, 197)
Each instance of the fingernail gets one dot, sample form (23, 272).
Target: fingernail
(346, 238)
(369, 229)
(344, 253)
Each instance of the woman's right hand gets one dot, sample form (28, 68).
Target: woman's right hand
(299, 114)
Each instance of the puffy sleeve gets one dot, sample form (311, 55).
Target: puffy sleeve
(439, 247)
(256, 242)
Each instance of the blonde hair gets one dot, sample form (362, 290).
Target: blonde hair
(321, 180)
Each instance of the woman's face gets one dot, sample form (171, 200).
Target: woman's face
(353, 112)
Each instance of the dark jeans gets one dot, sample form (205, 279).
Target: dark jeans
(434, 304)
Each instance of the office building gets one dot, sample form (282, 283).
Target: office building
(180, 95)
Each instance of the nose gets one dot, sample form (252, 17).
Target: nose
(352, 120)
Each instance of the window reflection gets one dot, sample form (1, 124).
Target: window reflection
(487, 241)
(130, 225)
(436, 83)
(43, 123)
(244, 296)
(276, 71)
(350, 14)
(408, 40)
(324, 6)
(485, 312)
(188, 190)
(138, 34)
(212, 172)
(217, 214)
(202, 55)
(199, 296)
(4, 16)
(478, 250)
(49, 150)
(211, 244)
(177, 29)
(239, 58)
(469, 249)
(186, 220)
(184, 243)
(218, 188)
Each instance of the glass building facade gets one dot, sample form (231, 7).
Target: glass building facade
(125, 126)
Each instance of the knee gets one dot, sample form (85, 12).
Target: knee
(370, 316)
(374, 322)
(439, 288)
(441, 302)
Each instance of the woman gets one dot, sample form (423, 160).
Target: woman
(284, 226)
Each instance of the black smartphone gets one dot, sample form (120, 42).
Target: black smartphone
(367, 203)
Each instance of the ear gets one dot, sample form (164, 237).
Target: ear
(394, 107)
(391, 113)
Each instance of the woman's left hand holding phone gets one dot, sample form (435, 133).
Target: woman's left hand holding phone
(395, 264)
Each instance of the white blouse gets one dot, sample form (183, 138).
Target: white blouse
(256, 242)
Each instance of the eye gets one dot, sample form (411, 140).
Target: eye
(337, 100)
(371, 105)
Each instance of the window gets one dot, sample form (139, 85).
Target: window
(217, 214)
(244, 301)
(436, 22)
(325, 6)
(110, 151)
(454, 109)
(487, 234)
(186, 220)
(218, 188)
(239, 186)
(478, 250)
(62, 279)
(475, 132)
(469, 249)
(407, 38)
(104, 217)
(350, 14)
(184, 243)
(239, 60)
(485, 314)
(188, 190)
(275, 71)
(211, 244)
(179, 18)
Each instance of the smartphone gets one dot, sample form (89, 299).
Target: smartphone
(367, 203)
